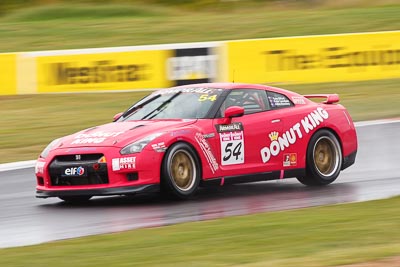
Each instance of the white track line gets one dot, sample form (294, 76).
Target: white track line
(17, 165)
(31, 163)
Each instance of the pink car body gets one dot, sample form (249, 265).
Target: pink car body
(269, 134)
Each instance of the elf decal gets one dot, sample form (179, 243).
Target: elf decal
(288, 138)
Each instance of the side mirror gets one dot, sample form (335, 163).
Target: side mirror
(233, 112)
(117, 116)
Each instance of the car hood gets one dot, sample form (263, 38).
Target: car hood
(120, 133)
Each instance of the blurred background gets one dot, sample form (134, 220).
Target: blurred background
(33, 98)
(43, 25)
(69, 65)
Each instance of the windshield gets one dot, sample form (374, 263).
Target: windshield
(175, 103)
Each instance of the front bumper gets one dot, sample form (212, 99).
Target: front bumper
(126, 190)
(100, 171)
(349, 160)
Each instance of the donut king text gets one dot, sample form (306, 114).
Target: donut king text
(288, 138)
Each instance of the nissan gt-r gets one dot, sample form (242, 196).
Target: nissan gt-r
(179, 139)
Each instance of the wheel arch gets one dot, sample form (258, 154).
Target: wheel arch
(192, 147)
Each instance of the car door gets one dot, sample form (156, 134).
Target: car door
(241, 143)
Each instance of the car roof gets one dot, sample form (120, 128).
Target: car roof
(233, 86)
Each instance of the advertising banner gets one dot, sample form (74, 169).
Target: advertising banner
(192, 65)
(8, 74)
(102, 71)
(314, 59)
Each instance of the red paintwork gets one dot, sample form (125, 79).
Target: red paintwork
(234, 111)
(257, 128)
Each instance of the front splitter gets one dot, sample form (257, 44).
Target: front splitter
(126, 190)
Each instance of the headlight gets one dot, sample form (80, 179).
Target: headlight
(139, 145)
(49, 147)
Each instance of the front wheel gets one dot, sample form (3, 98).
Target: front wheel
(180, 171)
(324, 159)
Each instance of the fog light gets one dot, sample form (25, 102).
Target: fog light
(40, 180)
(132, 176)
(96, 166)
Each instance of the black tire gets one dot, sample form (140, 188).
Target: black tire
(76, 199)
(180, 172)
(324, 159)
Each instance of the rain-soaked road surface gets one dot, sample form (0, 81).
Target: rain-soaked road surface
(25, 220)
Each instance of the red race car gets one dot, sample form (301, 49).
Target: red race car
(178, 139)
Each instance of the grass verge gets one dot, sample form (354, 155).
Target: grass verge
(30, 122)
(74, 25)
(327, 236)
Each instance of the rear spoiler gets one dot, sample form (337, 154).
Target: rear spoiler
(329, 98)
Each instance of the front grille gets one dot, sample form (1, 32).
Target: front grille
(79, 158)
(95, 173)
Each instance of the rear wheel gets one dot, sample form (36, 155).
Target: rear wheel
(324, 159)
(76, 199)
(180, 171)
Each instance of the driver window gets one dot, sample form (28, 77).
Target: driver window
(251, 100)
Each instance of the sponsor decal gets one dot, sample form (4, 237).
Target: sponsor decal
(289, 159)
(236, 126)
(192, 65)
(123, 163)
(180, 132)
(205, 147)
(278, 101)
(159, 147)
(232, 148)
(196, 90)
(94, 138)
(75, 171)
(288, 138)
(210, 135)
(298, 100)
(232, 143)
(39, 167)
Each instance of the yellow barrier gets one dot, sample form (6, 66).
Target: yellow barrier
(8, 79)
(101, 71)
(309, 59)
(313, 59)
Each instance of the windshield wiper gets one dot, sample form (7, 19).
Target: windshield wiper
(134, 108)
(160, 107)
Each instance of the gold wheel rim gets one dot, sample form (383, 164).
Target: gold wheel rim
(182, 170)
(325, 156)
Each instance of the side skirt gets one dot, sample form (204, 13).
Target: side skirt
(254, 177)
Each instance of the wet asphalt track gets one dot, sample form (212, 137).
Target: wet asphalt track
(25, 220)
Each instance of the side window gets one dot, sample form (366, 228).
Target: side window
(277, 101)
(251, 100)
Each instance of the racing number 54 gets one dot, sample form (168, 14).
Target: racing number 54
(237, 151)
(232, 152)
